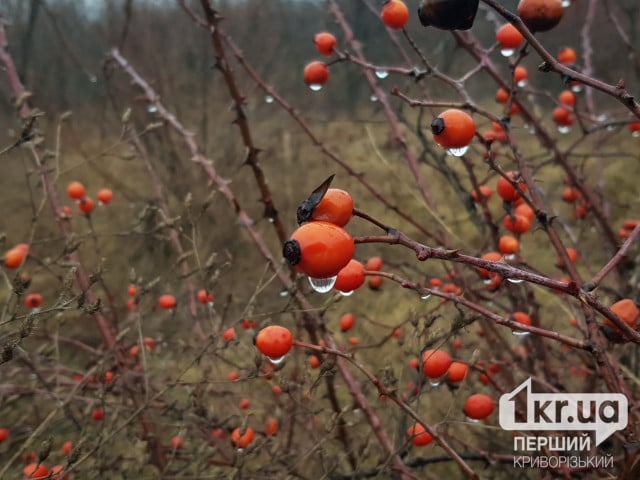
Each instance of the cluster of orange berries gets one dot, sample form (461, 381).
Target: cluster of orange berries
(321, 248)
(77, 192)
(394, 14)
(35, 470)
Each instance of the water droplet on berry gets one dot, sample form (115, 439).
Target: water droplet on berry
(277, 360)
(602, 117)
(346, 294)
(522, 83)
(519, 333)
(487, 281)
(36, 310)
(457, 152)
(507, 52)
(268, 99)
(511, 256)
(566, 3)
(564, 129)
(284, 293)
(472, 420)
(322, 285)
(382, 74)
(425, 296)
(576, 88)
(315, 87)
(373, 98)
(152, 109)
(93, 79)
(635, 134)
(515, 280)
(434, 382)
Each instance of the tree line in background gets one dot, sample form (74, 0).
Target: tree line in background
(61, 46)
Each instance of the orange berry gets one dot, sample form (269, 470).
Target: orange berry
(508, 244)
(522, 318)
(204, 297)
(4, 434)
(97, 414)
(316, 73)
(479, 406)
(271, 427)
(420, 437)
(502, 96)
(274, 341)
(540, 15)
(335, 207)
(414, 363)
(634, 127)
(104, 196)
(132, 290)
(567, 97)
(244, 403)
(134, 351)
(485, 192)
(630, 224)
(517, 223)
(581, 210)
(453, 128)
(375, 282)
(394, 14)
(353, 341)
(14, 257)
(149, 343)
(567, 56)
(66, 448)
(571, 194)
(229, 334)
(33, 300)
(572, 253)
(86, 205)
(509, 37)
(233, 376)
(627, 311)
(242, 439)
(506, 190)
(491, 257)
(562, 116)
(314, 361)
(347, 321)
(319, 249)
(457, 371)
(325, 43)
(457, 344)
(350, 277)
(374, 264)
(57, 473)
(524, 210)
(276, 390)
(167, 301)
(35, 471)
(520, 74)
(76, 191)
(177, 442)
(435, 363)
(435, 282)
